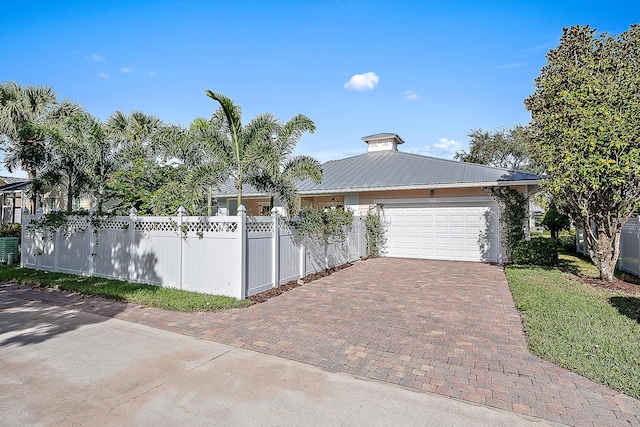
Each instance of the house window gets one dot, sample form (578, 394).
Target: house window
(52, 204)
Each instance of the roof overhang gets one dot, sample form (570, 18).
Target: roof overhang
(527, 182)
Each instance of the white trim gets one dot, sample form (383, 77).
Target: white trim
(422, 201)
(527, 182)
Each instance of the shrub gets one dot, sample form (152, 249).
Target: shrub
(324, 225)
(10, 230)
(537, 251)
(567, 239)
(513, 206)
(375, 233)
(555, 221)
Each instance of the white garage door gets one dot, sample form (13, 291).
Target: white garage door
(449, 231)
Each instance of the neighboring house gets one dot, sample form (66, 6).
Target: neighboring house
(433, 208)
(14, 199)
(55, 198)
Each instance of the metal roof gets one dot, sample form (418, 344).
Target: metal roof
(15, 186)
(394, 170)
(12, 179)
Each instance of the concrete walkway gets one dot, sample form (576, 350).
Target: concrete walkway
(449, 328)
(60, 366)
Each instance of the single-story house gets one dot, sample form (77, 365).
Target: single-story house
(13, 196)
(433, 208)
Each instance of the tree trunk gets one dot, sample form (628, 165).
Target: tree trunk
(239, 188)
(69, 198)
(31, 175)
(605, 256)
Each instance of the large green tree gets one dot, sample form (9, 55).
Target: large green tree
(585, 124)
(504, 147)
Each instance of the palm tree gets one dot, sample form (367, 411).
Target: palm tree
(240, 148)
(104, 158)
(135, 132)
(193, 152)
(70, 149)
(246, 150)
(284, 171)
(23, 112)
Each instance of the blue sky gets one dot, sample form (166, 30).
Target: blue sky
(428, 70)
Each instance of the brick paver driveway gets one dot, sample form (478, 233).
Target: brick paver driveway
(445, 327)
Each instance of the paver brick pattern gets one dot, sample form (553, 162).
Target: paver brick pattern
(438, 326)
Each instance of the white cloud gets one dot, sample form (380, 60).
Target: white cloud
(95, 57)
(105, 76)
(126, 69)
(366, 81)
(445, 149)
(411, 95)
(446, 144)
(152, 73)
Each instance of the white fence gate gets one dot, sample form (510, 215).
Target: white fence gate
(236, 256)
(629, 258)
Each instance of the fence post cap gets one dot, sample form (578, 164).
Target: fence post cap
(274, 211)
(182, 211)
(133, 211)
(241, 210)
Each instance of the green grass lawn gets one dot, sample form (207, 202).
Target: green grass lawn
(148, 295)
(591, 331)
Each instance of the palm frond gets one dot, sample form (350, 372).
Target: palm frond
(231, 112)
(292, 131)
(303, 167)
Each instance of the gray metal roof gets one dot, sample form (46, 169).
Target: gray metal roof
(12, 179)
(15, 186)
(394, 170)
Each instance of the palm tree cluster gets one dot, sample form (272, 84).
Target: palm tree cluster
(137, 160)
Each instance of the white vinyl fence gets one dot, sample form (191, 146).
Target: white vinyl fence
(629, 258)
(236, 256)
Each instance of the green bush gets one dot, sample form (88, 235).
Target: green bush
(537, 251)
(567, 239)
(10, 230)
(375, 234)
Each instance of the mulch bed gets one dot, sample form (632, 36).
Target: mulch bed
(274, 292)
(628, 284)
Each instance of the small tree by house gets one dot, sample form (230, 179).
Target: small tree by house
(555, 221)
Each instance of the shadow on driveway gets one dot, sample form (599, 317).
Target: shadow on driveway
(19, 327)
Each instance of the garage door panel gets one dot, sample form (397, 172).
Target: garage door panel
(443, 231)
(456, 219)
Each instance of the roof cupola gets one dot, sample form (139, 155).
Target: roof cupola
(383, 142)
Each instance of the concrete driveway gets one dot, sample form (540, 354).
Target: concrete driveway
(448, 328)
(61, 366)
